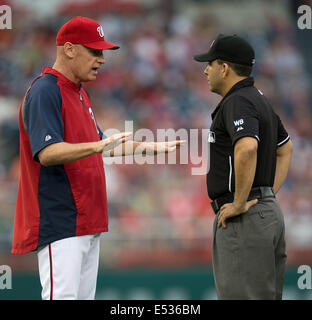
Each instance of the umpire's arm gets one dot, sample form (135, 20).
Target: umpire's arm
(283, 156)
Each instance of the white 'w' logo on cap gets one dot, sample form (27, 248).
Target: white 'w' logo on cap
(100, 31)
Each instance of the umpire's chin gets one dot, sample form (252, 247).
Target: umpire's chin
(212, 88)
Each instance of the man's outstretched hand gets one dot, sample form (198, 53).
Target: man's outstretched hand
(112, 141)
(163, 147)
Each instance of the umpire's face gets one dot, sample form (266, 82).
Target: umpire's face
(215, 76)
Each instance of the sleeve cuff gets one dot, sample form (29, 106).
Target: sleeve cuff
(283, 142)
(39, 148)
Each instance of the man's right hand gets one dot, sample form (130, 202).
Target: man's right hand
(64, 152)
(112, 142)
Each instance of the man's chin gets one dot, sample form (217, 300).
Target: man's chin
(211, 88)
(89, 78)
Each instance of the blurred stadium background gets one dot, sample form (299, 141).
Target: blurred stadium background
(159, 243)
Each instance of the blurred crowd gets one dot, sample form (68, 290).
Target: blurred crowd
(157, 211)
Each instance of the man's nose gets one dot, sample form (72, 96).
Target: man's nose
(206, 71)
(101, 60)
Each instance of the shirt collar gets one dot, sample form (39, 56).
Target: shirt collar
(247, 82)
(61, 77)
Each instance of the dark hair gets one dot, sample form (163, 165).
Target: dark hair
(240, 69)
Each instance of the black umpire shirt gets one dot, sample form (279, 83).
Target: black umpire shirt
(243, 112)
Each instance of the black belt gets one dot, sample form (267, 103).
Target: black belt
(255, 193)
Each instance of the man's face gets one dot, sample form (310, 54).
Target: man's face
(86, 63)
(213, 72)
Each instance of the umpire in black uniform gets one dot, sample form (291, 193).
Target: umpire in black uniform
(250, 154)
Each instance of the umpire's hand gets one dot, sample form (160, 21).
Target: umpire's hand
(230, 210)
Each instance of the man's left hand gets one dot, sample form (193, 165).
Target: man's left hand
(164, 147)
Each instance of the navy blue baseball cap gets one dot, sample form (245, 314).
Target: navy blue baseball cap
(231, 48)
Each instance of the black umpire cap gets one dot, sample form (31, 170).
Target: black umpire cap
(231, 48)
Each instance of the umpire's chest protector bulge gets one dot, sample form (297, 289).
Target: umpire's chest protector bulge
(60, 201)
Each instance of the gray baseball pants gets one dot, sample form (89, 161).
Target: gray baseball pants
(249, 255)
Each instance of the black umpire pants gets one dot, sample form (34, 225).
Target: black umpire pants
(249, 255)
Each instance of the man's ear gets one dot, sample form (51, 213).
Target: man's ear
(225, 70)
(70, 50)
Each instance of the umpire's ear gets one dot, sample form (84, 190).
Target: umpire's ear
(225, 70)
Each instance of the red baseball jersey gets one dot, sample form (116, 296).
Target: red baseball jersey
(60, 201)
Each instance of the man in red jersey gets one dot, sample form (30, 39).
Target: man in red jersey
(61, 207)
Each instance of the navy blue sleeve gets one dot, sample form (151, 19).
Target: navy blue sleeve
(241, 119)
(43, 114)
